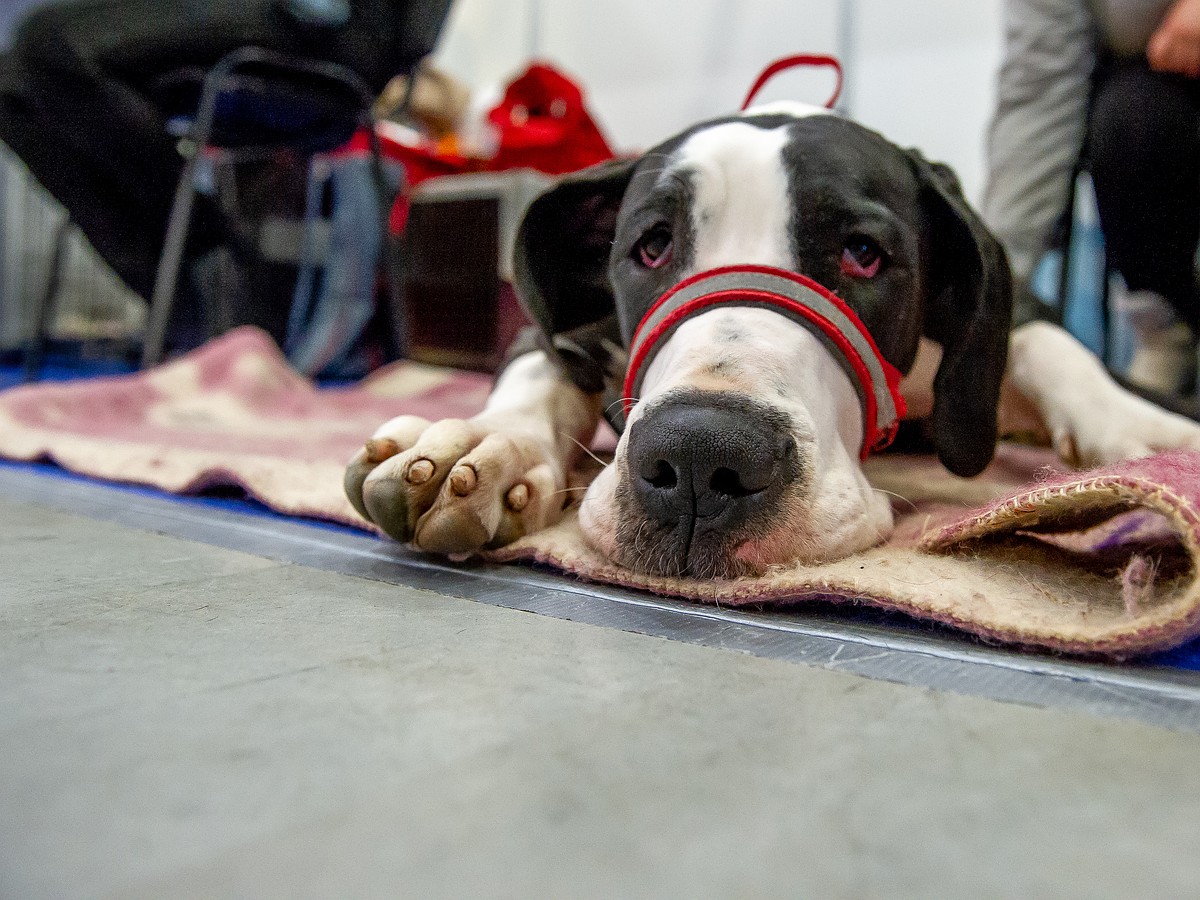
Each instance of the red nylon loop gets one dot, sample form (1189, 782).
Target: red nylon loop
(792, 62)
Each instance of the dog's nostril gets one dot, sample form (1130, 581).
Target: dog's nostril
(728, 482)
(663, 475)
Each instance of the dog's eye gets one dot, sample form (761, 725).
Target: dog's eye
(653, 248)
(861, 257)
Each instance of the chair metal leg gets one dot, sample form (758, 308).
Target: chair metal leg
(1106, 336)
(1064, 268)
(167, 275)
(35, 347)
(166, 279)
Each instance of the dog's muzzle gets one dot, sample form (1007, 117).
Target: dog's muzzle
(802, 300)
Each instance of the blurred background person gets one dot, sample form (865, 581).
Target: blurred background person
(81, 99)
(1115, 81)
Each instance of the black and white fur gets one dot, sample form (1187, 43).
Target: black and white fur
(742, 451)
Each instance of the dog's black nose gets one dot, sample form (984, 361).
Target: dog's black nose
(709, 457)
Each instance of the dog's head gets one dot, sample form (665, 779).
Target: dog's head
(743, 448)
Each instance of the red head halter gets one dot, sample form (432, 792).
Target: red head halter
(802, 300)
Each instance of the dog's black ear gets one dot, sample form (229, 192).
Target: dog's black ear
(560, 261)
(968, 311)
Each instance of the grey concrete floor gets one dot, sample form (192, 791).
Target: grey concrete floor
(178, 720)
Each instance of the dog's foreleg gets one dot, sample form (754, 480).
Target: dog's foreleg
(460, 485)
(1054, 386)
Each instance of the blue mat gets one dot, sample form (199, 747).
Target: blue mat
(55, 370)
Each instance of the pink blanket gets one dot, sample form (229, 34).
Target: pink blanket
(232, 412)
(1096, 563)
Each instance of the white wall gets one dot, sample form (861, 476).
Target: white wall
(925, 76)
(920, 71)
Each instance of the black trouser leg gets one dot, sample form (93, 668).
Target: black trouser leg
(75, 105)
(78, 105)
(1144, 154)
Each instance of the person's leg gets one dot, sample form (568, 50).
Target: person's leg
(74, 159)
(80, 104)
(76, 106)
(1144, 156)
(1144, 152)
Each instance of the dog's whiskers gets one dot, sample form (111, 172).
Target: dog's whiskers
(632, 400)
(637, 538)
(567, 490)
(576, 442)
(897, 496)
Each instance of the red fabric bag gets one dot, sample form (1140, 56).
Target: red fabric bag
(544, 125)
(541, 123)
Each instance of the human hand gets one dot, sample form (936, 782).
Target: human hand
(1175, 45)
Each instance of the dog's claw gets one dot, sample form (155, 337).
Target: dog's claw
(420, 471)
(517, 497)
(379, 449)
(1067, 450)
(463, 480)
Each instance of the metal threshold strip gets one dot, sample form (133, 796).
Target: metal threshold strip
(823, 637)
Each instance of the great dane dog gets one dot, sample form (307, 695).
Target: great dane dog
(740, 301)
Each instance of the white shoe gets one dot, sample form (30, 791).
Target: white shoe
(1164, 355)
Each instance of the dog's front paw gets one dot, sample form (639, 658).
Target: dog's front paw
(1090, 419)
(1119, 426)
(456, 486)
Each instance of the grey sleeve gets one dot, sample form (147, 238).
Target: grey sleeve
(1039, 123)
